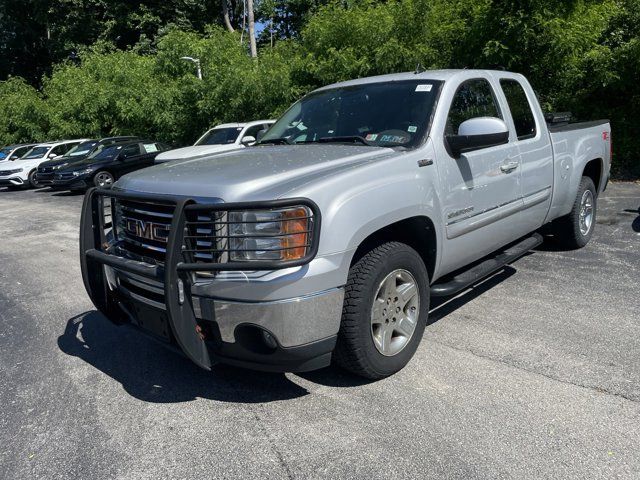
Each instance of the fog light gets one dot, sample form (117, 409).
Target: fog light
(269, 340)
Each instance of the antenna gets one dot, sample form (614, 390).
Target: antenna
(418, 69)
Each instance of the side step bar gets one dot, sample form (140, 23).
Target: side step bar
(485, 268)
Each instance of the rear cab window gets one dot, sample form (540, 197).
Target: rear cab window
(521, 112)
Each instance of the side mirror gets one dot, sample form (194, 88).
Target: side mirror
(121, 156)
(478, 133)
(248, 140)
(52, 155)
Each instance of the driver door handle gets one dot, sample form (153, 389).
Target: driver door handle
(509, 167)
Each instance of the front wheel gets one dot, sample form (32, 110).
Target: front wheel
(385, 311)
(33, 182)
(103, 179)
(576, 229)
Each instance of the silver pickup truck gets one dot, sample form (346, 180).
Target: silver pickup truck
(326, 240)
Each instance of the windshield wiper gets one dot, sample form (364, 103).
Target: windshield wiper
(276, 141)
(346, 139)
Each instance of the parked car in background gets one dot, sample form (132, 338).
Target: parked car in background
(12, 152)
(21, 172)
(105, 165)
(47, 170)
(227, 136)
(328, 238)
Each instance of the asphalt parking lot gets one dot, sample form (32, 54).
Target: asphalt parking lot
(533, 374)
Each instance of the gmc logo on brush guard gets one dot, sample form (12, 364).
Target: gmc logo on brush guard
(149, 230)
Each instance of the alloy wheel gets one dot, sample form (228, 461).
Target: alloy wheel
(394, 314)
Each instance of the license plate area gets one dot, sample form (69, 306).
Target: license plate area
(151, 320)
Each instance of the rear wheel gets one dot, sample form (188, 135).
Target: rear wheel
(103, 179)
(385, 311)
(576, 229)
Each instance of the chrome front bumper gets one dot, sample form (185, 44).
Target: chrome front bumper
(292, 321)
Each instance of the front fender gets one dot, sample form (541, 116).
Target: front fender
(358, 203)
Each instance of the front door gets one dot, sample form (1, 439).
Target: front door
(481, 188)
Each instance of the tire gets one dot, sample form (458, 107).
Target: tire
(361, 343)
(33, 183)
(103, 179)
(574, 231)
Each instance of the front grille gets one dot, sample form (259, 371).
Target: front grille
(142, 229)
(205, 239)
(64, 176)
(214, 236)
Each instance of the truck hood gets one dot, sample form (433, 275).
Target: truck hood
(194, 151)
(256, 173)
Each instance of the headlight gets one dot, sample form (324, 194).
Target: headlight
(17, 170)
(77, 173)
(281, 234)
(60, 166)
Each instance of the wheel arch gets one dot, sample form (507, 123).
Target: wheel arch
(418, 232)
(594, 169)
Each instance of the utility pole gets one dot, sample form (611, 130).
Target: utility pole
(252, 29)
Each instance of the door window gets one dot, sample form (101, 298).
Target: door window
(520, 107)
(474, 98)
(253, 131)
(19, 152)
(61, 149)
(130, 151)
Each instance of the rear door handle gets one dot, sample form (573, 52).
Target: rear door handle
(509, 167)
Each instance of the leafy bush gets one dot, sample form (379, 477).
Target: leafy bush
(25, 115)
(580, 55)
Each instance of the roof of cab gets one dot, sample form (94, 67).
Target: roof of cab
(241, 124)
(423, 75)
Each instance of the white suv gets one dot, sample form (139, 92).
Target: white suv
(228, 136)
(20, 172)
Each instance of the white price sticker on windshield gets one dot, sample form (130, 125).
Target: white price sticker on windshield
(426, 87)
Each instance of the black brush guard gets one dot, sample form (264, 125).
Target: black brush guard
(176, 270)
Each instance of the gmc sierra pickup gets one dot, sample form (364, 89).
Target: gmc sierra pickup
(327, 238)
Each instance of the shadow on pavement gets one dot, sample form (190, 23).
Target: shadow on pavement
(67, 193)
(441, 307)
(636, 222)
(150, 372)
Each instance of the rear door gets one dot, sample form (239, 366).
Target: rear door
(534, 148)
(150, 151)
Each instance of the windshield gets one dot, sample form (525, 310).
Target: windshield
(35, 152)
(376, 114)
(103, 152)
(4, 152)
(220, 136)
(81, 149)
